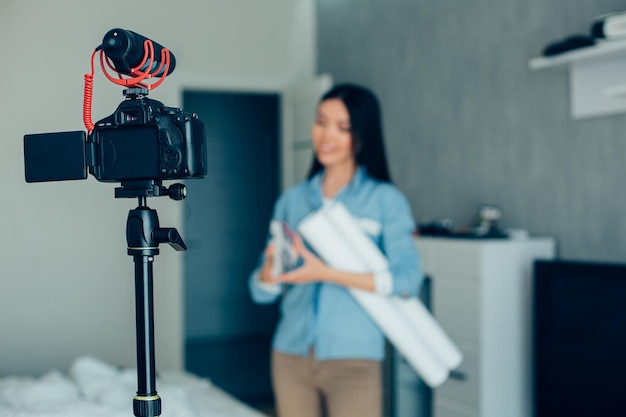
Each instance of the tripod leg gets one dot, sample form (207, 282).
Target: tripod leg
(147, 402)
(143, 236)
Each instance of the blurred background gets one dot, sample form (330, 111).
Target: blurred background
(466, 121)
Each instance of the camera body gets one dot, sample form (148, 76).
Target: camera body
(141, 140)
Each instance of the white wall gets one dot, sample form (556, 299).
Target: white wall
(66, 282)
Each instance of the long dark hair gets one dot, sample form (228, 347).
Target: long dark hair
(366, 128)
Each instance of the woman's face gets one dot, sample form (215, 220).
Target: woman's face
(331, 133)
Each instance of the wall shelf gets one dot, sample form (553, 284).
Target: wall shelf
(597, 78)
(600, 50)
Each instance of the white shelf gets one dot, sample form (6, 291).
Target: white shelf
(602, 49)
(597, 78)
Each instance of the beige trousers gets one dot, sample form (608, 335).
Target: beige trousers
(305, 387)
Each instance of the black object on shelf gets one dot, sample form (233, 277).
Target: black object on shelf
(570, 43)
(440, 227)
(486, 227)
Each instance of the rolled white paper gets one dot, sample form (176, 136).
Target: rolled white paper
(412, 308)
(331, 245)
(423, 322)
(411, 345)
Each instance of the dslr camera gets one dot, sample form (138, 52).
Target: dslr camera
(143, 140)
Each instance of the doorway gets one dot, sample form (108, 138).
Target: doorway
(227, 336)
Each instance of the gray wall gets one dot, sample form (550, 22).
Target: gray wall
(467, 122)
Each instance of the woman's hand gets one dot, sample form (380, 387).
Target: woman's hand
(265, 274)
(312, 269)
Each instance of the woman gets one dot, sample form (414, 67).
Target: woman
(327, 352)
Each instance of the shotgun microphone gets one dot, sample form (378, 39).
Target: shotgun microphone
(126, 50)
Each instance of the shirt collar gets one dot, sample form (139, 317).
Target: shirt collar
(315, 186)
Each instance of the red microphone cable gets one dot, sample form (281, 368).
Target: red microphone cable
(88, 96)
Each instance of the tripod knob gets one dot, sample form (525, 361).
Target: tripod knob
(177, 192)
(171, 236)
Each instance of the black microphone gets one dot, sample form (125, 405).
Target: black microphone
(125, 48)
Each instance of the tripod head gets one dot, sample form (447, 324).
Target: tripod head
(143, 233)
(150, 188)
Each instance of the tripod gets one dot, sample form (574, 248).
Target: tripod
(143, 236)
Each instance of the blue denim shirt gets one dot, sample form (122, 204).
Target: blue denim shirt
(325, 315)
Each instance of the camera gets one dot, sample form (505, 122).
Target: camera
(143, 140)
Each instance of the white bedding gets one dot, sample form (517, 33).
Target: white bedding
(96, 389)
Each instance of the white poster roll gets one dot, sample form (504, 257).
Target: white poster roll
(332, 247)
(424, 323)
(329, 244)
(411, 308)
(347, 227)
(409, 344)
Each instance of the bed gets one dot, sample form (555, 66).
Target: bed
(95, 388)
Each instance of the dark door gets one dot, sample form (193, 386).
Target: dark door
(227, 336)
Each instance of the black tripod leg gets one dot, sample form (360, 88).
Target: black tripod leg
(147, 402)
(143, 236)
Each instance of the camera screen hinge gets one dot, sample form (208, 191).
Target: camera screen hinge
(90, 154)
